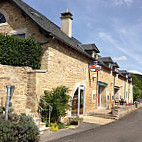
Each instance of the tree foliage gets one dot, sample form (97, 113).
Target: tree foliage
(136, 93)
(19, 52)
(137, 86)
(59, 100)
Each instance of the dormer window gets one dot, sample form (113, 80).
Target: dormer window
(94, 55)
(2, 19)
(116, 69)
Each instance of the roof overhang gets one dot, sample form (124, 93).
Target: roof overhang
(102, 83)
(116, 87)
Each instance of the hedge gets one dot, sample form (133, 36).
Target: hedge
(19, 52)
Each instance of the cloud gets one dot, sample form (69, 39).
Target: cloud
(114, 43)
(122, 58)
(122, 2)
(135, 72)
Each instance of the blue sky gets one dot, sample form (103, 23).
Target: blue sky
(115, 26)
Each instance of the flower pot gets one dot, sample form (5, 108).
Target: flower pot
(114, 112)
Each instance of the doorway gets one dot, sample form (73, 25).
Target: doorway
(101, 96)
(78, 103)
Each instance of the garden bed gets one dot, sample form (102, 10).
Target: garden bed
(121, 111)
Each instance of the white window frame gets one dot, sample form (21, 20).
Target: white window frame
(81, 87)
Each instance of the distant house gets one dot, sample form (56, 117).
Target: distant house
(65, 61)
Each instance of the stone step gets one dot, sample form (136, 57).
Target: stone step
(107, 116)
(41, 125)
(37, 120)
(44, 129)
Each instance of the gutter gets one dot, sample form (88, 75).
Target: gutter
(47, 41)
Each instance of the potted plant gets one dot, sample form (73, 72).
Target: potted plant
(137, 103)
(128, 104)
(76, 120)
(114, 110)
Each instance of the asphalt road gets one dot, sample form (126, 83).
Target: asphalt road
(127, 129)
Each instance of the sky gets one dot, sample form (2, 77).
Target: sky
(115, 26)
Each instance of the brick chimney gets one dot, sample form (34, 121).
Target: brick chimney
(66, 23)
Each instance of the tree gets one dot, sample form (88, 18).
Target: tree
(137, 86)
(137, 93)
(59, 99)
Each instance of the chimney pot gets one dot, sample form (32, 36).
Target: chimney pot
(66, 23)
(66, 10)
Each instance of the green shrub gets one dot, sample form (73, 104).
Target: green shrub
(61, 125)
(19, 52)
(2, 109)
(59, 100)
(18, 128)
(76, 118)
(68, 124)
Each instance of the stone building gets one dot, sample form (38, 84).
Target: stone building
(65, 61)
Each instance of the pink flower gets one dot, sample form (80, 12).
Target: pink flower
(128, 105)
(114, 107)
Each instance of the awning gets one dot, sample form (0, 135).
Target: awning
(116, 87)
(102, 83)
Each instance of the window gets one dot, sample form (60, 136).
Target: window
(112, 97)
(111, 72)
(126, 95)
(108, 97)
(22, 36)
(2, 19)
(94, 97)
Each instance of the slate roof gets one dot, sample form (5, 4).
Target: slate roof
(106, 59)
(49, 27)
(115, 64)
(123, 72)
(102, 63)
(90, 47)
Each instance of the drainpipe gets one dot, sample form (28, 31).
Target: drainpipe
(114, 89)
(125, 89)
(97, 88)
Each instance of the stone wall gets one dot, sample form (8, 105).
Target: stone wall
(25, 98)
(17, 76)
